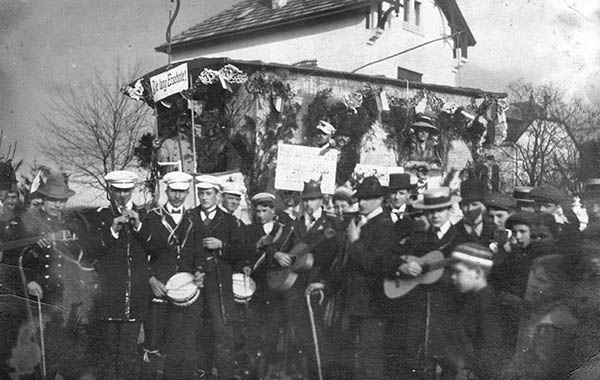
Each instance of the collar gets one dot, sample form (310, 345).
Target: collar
(210, 213)
(172, 208)
(443, 229)
(374, 213)
(268, 227)
(317, 214)
(128, 206)
(399, 210)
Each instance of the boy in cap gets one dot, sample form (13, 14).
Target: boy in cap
(215, 247)
(122, 267)
(483, 346)
(165, 231)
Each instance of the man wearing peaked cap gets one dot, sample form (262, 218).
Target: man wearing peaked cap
(499, 208)
(370, 243)
(164, 233)
(524, 201)
(214, 248)
(562, 222)
(232, 193)
(122, 268)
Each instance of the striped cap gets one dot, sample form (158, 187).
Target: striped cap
(473, 253)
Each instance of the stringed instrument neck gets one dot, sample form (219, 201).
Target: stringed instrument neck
(63, 235)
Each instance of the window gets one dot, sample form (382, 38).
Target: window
(417, 5)
(409, 75)
(406, 10)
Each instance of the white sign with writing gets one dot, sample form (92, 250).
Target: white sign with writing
(170, 82)
(297, 164)
(381, 172)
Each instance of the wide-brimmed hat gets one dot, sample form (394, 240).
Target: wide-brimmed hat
(311, 190)
(370, 188)
(400, 181)
(436, 198)
(55, 187)
(426, 121)
(472, 190)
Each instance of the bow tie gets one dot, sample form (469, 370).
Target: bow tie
(175, 211)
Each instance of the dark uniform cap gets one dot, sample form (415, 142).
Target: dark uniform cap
(500, 201)
(522, 217)
(548, 194)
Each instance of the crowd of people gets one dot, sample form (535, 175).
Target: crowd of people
(373, 282)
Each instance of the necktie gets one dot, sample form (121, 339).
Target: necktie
(173, 212)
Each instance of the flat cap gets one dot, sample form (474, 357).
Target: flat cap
(473, 253)
(500, 201)
(522, 217)
(548, 194)
(263, 198)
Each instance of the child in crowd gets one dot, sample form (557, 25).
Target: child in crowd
(484, 345)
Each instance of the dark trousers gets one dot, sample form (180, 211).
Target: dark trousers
(115, 349)
(368, 347)
(222, 330)
(171, 330)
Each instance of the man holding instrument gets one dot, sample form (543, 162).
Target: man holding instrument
(424, 317)
(215, 247)
(169, 326)
(121, 262)
(308, 237)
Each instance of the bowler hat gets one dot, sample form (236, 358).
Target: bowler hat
(370, 188)
(472, 190)
(436, 198)
(311, 190)
(400, 181)
(55, 187)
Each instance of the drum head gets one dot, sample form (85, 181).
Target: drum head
(243, 287)
(181, 289)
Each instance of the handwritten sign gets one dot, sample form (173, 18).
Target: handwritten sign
(297, 164)
(381, 172)
(170, 82)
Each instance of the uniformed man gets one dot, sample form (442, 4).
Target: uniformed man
(215, 247)
(169, 327)
(121, 262)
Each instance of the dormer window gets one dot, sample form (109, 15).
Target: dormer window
(412, 15)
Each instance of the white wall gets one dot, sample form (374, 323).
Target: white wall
(341, 45)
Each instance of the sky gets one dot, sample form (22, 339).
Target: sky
(47, 44)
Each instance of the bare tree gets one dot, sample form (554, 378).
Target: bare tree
(549, 149)
(94, 128)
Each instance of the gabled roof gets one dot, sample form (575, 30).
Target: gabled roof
(256, 15)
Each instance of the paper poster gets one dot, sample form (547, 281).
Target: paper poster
(297, 164)
(381, 172)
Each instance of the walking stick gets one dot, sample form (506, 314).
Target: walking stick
(42, 345)
(314, 334)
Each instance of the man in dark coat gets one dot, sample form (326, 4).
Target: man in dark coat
(121, 262)
(399, 192)
(358, 272)
(427, 310)
(215, 247)
(169, 328)
(474, 226)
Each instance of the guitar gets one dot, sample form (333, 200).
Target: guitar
(282, 279)
(63, 235)
(433, 265)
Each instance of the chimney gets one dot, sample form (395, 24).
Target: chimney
(278, 4)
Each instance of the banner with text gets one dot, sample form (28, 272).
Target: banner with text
(297, 164)
(170, 82)
(381, 172)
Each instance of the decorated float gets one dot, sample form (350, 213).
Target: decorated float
(280, 125)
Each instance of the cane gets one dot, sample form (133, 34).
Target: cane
(42, 345)
(314, 333)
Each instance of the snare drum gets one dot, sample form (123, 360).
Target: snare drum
(181, 289)
(243, 288)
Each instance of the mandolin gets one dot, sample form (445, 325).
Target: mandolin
(433, 265)
(63, 235)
